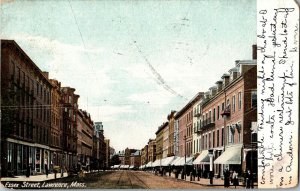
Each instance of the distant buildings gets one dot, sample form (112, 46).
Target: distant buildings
(41, 123)
(221, 121)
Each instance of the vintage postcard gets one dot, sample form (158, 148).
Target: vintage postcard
(152, 94)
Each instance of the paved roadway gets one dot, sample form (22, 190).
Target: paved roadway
(138, 179)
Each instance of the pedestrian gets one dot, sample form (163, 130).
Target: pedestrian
(235, 179)
(28, 171)
(249, 179)
(226, 178)
(199, 173)
(194, 173)
(46, 170)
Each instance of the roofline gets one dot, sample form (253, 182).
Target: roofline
(30, 60)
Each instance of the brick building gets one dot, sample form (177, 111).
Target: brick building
(56, 145)
(70, 105)
(184, 128)
(171, 124)
(144, 157)
(228, 112)
(85, 131)
(135, 159)
(26, 114)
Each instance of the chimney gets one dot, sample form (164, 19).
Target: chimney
(234, 72)
(213, 91)
(206, 95)
(46, 74)
(219, 84)
(225, 78)
(254, 51)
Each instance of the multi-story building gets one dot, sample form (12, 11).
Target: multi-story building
(56, 145)
(107, 152)
(69, 103)
(85, 131)
(166, 141)
(159, 140)
(228, 112)
(122, 157)
(135, 159)
(99, 146)
(184, 127)
(151, 150)
(144, 157)
(171, 124)
(26, 114)
(196, 127)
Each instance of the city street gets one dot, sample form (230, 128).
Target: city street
(127, 179)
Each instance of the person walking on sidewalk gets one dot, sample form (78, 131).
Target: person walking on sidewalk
(199, 173)
(226, 178)
(46, 170)
(249, 179)
(235, 179)
(194, 173)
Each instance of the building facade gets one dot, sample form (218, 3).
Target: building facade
(85, 131)
(107, 152)
(196, 127)
(228, 112)
(171, 121)
(135, 159)
(151, 150)
(166, 141)
(56, 148)
(70, 105)
(144, 157)
(185, 127)
(159, 140)
(26, 113)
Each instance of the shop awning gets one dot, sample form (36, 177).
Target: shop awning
(231, 155)
(156, 163)
(181, 161)
(203, 158)
(167, 161)
(149, 164)
(175, 161)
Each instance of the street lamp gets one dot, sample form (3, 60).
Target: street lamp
(184, 157)
(211, 155)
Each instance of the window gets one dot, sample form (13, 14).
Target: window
(223, 106)
(222, 138)
(213, 139)
(218, 112)
(233, 103)
(230, 134)
(253, 98)
(214, 114)
(218, 137)
(240, 100)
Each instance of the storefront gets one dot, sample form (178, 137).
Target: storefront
(22, 156)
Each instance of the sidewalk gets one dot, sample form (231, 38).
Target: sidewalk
(33, 178)
(204, 181)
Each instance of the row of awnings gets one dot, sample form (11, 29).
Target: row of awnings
(122, 166)
(232, 155)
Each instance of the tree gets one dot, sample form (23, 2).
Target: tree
(115, 160)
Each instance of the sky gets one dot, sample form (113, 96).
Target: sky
(132, 62)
